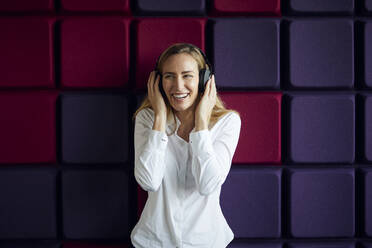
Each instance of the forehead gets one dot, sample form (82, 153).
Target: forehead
(180, 62)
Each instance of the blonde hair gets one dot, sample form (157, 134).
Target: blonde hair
(219, 108)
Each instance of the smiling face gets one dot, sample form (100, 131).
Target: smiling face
(180, 81)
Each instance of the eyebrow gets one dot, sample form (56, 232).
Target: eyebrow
(168, 72)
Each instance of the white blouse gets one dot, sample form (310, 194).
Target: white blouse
(183, 180)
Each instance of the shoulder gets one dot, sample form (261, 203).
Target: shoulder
(230, 118)
(145, 115)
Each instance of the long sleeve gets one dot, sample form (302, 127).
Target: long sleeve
(149, 146)
(211, 162)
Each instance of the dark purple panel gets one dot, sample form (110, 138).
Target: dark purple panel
(321, 53)
(94, 52)
(322, 128)
(246, 53)
(367, 135)
(368, 5)
(368, 54)
(322, 5)
(321, 202)
(95, 204)
(28, 204)
(250, 201)
(367, 199)
(328, 244)
(94, 128)
(170, 6)
(26, 52)
(263, 244)
(29, 244)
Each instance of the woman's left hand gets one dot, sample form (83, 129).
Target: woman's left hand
(204, 109)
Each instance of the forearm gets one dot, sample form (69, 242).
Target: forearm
(160, 122)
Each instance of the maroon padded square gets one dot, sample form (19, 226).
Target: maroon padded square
(239, 7)
(27, 127)
(26, 5)
(95, 5)
(260, 134)
(154, 35)
(94, 52)
(26, 48)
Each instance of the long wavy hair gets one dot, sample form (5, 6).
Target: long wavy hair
(219, 108)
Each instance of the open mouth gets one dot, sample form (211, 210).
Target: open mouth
(180, 96)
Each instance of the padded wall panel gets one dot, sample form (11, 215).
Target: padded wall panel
(155, 35)
(339, 6)
(94, 128)
(27, 54)
(94, 52)
(251, 202)
(321, 202)
(26, 5)
(322, 128)
(368, 54)
(168, 7)
(367, 132)
(246, 53)
(367, 201)
(328, 244)
(28, 127)
(95, 204)
(28, 205)
(95, 5)
(245, 244)
(260, 135)
(321, 53)
(238, 7)
(81, 244)
(29, 244)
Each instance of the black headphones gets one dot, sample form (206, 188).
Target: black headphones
(204, 74)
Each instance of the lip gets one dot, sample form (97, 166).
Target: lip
(181, 99)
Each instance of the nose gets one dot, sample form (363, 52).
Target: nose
(178, 82)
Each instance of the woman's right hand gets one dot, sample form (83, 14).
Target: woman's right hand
(157, 102)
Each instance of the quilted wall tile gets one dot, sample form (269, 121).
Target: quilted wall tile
(31, 208)
(95, 204)
(170, 7)
(94, 52)
(95, 5)
(27, 54)
(315, 133)
(94, 128)
(260, 135)
(245, 45)
(321, 202)
(28, 127)
(321, 53)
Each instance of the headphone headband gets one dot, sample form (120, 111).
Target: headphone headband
(196, 48)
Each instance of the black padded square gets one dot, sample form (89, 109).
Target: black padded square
(94, 128)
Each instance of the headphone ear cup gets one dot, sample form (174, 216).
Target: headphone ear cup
(204, 76)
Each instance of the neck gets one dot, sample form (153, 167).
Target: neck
(186, 117)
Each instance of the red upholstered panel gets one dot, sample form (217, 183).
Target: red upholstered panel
(94, 52)
(260, 136)
(27, 127)
(155, 35)
(238, 7)
(95, 5)
(26, 5)
(26, 52)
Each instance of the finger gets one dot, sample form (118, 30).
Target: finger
(210, 86)
(150, 84)
(214, 86)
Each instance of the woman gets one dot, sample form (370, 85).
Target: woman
(184, 144)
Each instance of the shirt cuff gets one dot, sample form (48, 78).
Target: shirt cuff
(200, 142)
(158, 139)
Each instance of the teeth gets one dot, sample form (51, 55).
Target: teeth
(180, 95)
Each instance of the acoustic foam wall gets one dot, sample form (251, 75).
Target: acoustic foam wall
(299, 72)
